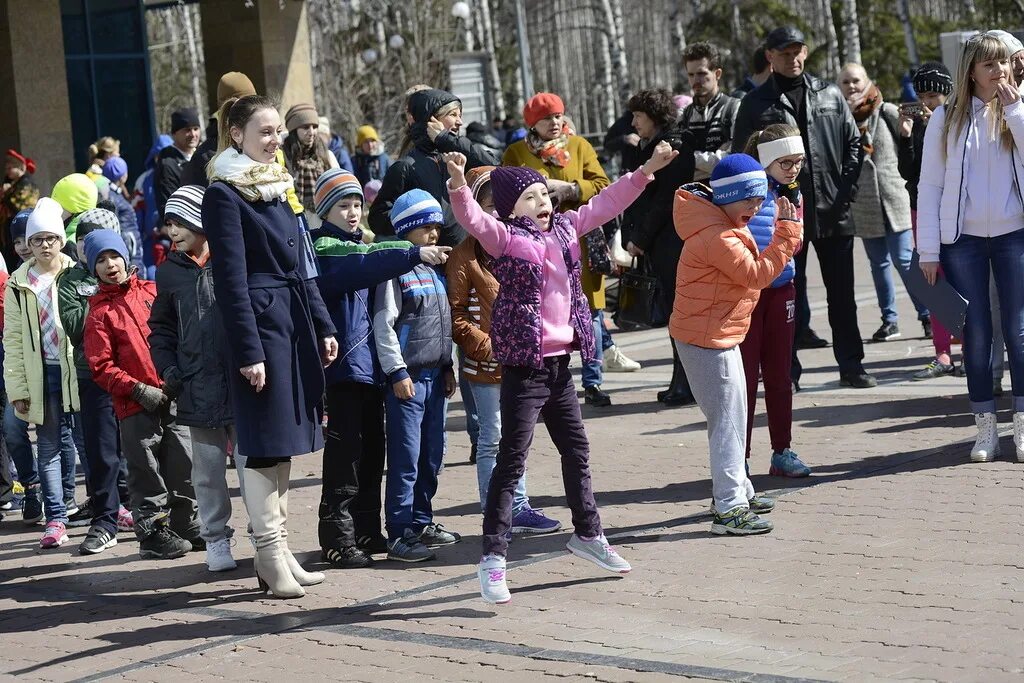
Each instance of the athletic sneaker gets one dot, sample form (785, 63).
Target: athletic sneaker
(163, 544)
(933, 370)
(409, 549)
(6, 505)
(81, 517)
(493, 588)
(599, 552)
(346, 558)
(32, 505)
(435, 535)
(761, 505)
(56, 535)
(788, 464)
(125, 521)
(616, 361)
(373, 544)
(739, 521)
(218, 556)
(886, 332)
(96, 541)
(71, 507)
(530, 521)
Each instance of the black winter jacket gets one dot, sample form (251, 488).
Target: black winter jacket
(910, 151)
(194, 172)
(187, 342)
(829, 177)
(167, 175)
(647, 222)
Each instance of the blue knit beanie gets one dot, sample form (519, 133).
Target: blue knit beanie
(19, 224)
(99, 241)
(415, 209)
(114, 169)
(738, 177)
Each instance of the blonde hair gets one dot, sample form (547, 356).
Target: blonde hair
(104, 148)
(776, 131)
(980, 48)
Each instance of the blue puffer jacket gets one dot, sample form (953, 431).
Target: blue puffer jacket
(349, 270)
(762, 227)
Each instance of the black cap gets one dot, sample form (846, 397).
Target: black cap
(781, 38)
(184, 118)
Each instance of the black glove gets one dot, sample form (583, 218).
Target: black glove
(173, 383)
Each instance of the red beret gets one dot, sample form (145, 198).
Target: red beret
(541, 106)
(29, 164)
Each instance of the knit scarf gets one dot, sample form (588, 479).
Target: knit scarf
(863, 105)
(255, 181)
(308, 167)
(551, 152)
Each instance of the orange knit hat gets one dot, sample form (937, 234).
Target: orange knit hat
(541, 106)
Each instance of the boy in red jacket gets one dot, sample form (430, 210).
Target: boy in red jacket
(158, 451)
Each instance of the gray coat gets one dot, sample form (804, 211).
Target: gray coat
(881, 191)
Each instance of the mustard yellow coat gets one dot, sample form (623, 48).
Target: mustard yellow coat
(584, 170)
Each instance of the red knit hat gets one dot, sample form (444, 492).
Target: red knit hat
(30, 165)
(541, 106)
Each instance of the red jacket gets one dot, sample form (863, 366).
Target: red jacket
(117, 341)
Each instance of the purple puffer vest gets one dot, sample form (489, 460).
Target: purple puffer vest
(516, 327)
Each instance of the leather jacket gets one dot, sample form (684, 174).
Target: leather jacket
(829, 177)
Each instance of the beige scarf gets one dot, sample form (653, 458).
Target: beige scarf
(253, 180)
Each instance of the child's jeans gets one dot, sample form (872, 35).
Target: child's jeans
(593, 371)
(415, 450)
(209, 479)
(159, 454)
(528, 394)
(72, 451)
(719, 385)
(48, 445)
(487, 398)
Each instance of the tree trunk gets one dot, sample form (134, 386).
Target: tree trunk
(831, 39)
(903, 13)
(851, 33)
(619, 55)
(487, 28)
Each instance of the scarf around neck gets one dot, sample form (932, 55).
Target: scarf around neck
(551, 152)
(863, 105)
(255, 181)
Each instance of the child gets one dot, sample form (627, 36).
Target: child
(350, 503)
(370, 161)
(472, 290)
(157, 449)
(39, 363)
(767, 349)
(101, 452)
(187, 346)
(539, 316)
(720, 278)
(412, 328)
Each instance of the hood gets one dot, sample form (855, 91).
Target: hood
(158, 146)
(692, 211)
(424, 103)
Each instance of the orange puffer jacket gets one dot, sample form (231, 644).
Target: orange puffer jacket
(721, 274)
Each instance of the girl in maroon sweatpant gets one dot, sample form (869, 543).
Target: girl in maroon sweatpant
(768, 348)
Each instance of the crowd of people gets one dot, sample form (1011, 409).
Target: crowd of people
(265, 294)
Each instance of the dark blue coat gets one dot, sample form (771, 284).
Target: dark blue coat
(271, 315)
(349, 270)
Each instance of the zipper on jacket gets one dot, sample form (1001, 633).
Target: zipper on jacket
(960, 195)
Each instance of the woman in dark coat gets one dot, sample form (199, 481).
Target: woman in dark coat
(647, 226)
(280, 335)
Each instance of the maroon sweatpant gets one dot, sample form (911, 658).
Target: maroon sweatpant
(768, 352)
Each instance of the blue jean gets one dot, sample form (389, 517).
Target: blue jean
(592, 371)
(49, 436)
(415, 450)
(20, 448)
(469, 403)
(72, 449)
(896, 248)
(967, 264)
(488, 402)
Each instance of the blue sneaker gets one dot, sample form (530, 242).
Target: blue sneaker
(787, 464)
(530, 521)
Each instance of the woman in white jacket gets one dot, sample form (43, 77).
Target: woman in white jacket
(971, 220)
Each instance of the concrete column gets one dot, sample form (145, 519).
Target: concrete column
(35, 117)
(268, 43)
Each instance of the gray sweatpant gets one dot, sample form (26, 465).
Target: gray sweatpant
(720, 387)
(209, 470)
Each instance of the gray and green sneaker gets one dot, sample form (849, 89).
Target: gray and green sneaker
(740, 521)
(759, 505)
(435, 535)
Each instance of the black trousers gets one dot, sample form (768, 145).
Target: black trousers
(103, 451)
(350, 501)
(835, 257)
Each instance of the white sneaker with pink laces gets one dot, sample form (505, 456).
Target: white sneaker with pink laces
(493, 588)
(55, 535)
(125, 522)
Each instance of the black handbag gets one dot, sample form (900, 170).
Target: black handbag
(638, 298)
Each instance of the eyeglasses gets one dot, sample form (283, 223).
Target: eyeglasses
(789, 165)
(41, 241)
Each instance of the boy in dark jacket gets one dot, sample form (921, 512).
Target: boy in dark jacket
(158, 450)
(350, 503)
(412, 327)
(186, 342)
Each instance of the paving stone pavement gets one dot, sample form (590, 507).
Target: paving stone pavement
(896, 560)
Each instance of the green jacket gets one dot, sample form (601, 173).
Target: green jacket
(74, 287)
(23, 349)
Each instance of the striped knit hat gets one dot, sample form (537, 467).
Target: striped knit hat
(415, 209)
(185, 206)
(738, 177)
(331, 187)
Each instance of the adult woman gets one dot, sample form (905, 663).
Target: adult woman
(281, 334)
(307, 155)
(971, 219)
(574, 175)
(882, 211)
(648, 228)
(99, 152)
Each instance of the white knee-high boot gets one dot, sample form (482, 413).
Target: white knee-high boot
(303, 577)
(262, 501)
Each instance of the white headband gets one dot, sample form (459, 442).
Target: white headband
(768, 152)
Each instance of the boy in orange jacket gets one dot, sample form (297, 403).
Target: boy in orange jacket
(720, 278)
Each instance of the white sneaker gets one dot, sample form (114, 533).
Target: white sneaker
(218, 556)
(1018, 435)
(986, 447)
(616, 361)
(598, 551)
(493, 588)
